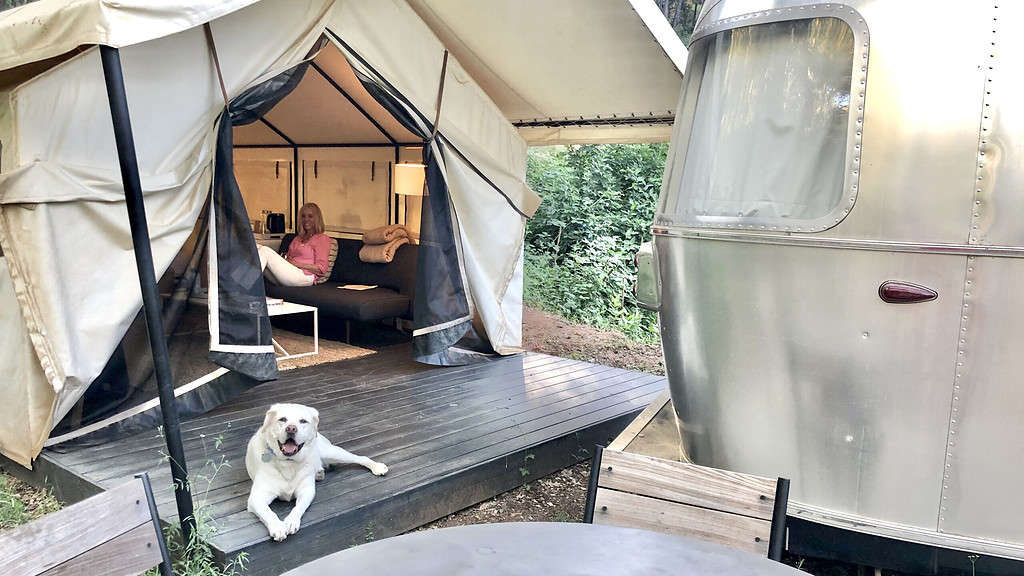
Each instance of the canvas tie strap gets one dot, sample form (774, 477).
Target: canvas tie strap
(440, 96)
(216, 62)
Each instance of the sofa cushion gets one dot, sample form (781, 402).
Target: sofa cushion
(332, 256)
(332, 300)
(398, 275)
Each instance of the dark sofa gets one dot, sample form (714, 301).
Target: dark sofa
(392, 298)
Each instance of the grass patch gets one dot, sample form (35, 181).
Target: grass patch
(21, 503)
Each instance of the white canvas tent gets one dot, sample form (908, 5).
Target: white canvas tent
(68, 283)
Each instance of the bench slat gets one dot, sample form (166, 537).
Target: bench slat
(51, 540)
(631, 510)
(730, 492)
(129, 554)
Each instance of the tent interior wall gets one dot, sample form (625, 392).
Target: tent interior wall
(328, 142)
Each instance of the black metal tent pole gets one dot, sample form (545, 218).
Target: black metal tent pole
(114, 78)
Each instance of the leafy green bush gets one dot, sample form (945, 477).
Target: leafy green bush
(599, 203)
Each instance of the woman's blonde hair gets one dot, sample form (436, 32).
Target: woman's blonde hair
(318, 226)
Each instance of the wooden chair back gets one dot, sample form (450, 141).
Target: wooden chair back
(115, 532)
(737, 510)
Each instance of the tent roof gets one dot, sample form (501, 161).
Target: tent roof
(48, 29)
(572, 70)
(566, 71)
(329, 106)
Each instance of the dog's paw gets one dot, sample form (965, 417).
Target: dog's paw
(279, 531)
(291, 525)
(320, 474)
(378, 469)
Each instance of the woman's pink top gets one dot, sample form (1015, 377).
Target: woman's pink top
(312, 252)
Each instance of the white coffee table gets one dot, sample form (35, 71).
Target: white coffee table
(284, 308)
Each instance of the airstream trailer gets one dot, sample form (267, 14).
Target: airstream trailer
(838, 261)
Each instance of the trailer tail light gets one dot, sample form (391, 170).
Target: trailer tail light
(905, 293)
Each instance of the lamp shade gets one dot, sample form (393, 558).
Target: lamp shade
(409, 179)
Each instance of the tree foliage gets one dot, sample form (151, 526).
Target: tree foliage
(5, 4)
(598, 207)
(681, 14)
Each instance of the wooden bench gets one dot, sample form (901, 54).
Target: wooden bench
(737, 510)
(115, 532)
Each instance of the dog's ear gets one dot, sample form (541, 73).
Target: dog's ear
(270, 417)
(316, 418)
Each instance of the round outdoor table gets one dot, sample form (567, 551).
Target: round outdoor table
(541, 549)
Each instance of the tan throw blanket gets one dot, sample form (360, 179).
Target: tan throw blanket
(381, 253)
(385, 234)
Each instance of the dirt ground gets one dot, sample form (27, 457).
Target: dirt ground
(551, 334)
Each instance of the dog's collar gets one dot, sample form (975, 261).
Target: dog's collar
(268, 455)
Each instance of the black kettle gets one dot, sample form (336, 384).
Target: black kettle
(275, 223)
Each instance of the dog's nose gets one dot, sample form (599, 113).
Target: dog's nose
(291, 429)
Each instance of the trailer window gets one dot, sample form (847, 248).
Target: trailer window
(767, 108)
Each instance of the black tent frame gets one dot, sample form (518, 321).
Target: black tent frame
(114, 79)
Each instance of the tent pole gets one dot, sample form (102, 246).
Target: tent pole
(114, 78)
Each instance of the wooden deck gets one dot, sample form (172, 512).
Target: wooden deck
(452, 437)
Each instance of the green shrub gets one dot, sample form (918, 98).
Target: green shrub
(599, 203)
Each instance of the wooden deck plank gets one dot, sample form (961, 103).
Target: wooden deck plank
(438, 419)
(409, 444)
(335, 494)
(375, 445)
(348, 387)
(451, 436)
(351, 415)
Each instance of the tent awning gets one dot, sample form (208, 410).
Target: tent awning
(568, 71)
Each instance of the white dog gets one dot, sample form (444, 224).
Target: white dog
(284, 459)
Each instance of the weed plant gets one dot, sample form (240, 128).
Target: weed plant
(195, 558)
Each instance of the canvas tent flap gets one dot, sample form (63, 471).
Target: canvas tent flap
(26, 410)
(69, 247)
(578, 60)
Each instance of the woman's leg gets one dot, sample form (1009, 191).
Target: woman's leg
(280, 270)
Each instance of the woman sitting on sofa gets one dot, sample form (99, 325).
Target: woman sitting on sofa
(306, 259)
